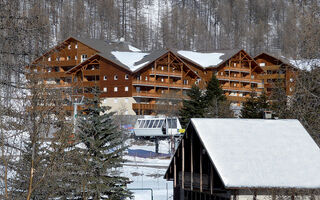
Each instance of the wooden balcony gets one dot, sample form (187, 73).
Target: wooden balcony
(272, 76)
(239, 79)
(54, 75)
(237, 98)
(242, 89)
(146, 94)
(145, 106)
(237, 69)
(161, 84)
(166, 73)
(59, 63)
(89, 83)
(271, 67)
(91, 72)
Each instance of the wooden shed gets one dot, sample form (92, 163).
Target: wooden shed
(245, 159)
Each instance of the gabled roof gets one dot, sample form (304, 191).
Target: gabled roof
(256, 153)
(282, 59)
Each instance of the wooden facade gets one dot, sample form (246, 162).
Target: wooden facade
(79, 66)
(277, 73)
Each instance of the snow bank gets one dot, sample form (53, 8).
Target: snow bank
(132, 48)
(203, 59)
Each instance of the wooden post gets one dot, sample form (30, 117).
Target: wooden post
(200, 169)
(183, 163)
(191, 160)
(175, 171)
(211, 179)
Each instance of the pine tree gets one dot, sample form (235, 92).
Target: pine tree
(215, 101)
(102, 151)
(192, 107)
(254, 107)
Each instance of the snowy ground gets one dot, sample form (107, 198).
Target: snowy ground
(149, 172)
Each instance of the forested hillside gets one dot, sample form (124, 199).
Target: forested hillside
(290, 28)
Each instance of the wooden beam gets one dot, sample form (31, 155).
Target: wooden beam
(191, 162)
(201, 170)
(183, 163)
(211, 179)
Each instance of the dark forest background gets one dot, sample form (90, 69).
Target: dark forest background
(287, 27)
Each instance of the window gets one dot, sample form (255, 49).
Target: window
(235, 85)
(105, 78)
(57, 58)
(162, 68)
(235, 64)
(49, 59)
(75, 58)
(290, 89)
(115, 77)
(68, 57)
(252, 76)
(126, 88)
(291, 80)
(126, 77)
(146, 78)
(83, 57)
(69, 46)
(152, 68)
(162, 79)
(221, 73)
(105, 89)
(185, 82)
(262, 64)
(76, 46)
(138, 89)
(49, 69)
(115, 89)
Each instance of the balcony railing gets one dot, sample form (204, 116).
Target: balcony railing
(161, 84)
(272, 76)
(237, 98)
(228, 88)
(239, 79)
(237, 69)
(166, 73)
(146, 94)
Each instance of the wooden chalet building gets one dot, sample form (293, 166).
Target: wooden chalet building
(252, 159)
(137, 82)
(278, 72)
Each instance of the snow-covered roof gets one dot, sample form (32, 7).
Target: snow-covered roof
(256, 153)
(129, 59)
(306, 64)
(208, 59)
(203, 59)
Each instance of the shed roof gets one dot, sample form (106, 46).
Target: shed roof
(256, 153)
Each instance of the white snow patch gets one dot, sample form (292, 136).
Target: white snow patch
(130, 58)
(203, 59)
(261, 153)
(306, 64)
(132, 48)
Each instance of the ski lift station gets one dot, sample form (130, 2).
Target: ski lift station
(157, 127)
